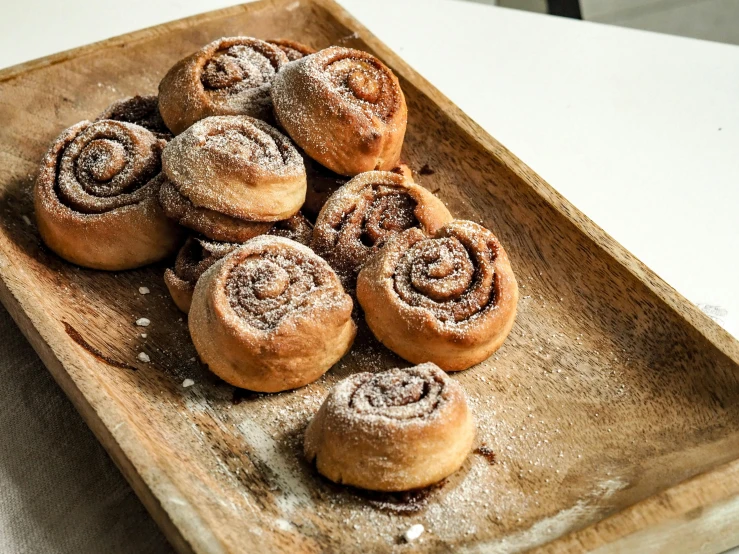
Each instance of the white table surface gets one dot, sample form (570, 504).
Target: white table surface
(638, 130)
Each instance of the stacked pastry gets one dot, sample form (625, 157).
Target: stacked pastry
(245, 139)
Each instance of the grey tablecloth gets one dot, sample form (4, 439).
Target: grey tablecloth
(59, 490)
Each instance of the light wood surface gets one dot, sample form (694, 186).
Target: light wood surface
(612, 408)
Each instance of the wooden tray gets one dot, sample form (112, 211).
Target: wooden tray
(612, 409)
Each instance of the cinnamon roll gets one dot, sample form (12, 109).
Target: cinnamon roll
(449, 299)
(343, 107)
(140, 110)
(293, 49)
(229, 76)
(232, 166)
(271, 316)
(96, 197)
(363, 214)
(199, 253)
(396, 430)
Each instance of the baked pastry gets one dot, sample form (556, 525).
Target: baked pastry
(193, 259)
(140, 110)
(358, 218)
(199, 253)
(233, 166)
(396, 430)
(229, 76)
(271, 316)
(344, 107)
(293, 49)
(322, 183)
(210, 223)
(449, 299)
(96, 197)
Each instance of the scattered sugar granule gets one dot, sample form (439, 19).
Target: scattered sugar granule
(413, 532)
(144, 357)
(144, 290)
(142, 322)
(188, 383)
(143, 335)
(26, 220)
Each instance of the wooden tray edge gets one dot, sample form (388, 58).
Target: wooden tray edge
(89, 412)
(676, 515)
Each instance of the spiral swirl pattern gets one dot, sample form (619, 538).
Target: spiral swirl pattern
(230, 76)
(449, 298)
(107, 166)
(361, 80)
(451, 276)
(396, 430)
(96, 197)
(271, 316)
(264, 290)
(399, 394)
(363, 214)
(344, 107)
(240, 66)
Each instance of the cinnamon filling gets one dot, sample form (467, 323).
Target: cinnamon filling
(380, 212)
(452, 277)
(237, 68)
(399, 394)
(265, 289)
(108, 165)
(365, 83)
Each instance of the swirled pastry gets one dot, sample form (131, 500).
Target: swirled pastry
(199, 253)
(363, 214)
(271, 316)
(343, 107)
(396, 430)
(235, 166)
(96, 197)
(293, 49)
(229, 76)
(140, 110)
(449, 299)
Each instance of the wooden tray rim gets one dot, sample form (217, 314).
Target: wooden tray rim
(703, 505)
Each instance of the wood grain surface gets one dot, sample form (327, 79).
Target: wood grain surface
(612, 410)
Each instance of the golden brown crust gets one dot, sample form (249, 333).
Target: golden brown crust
(396, 430)
(96, 197)
(293, 49)
(140, 110)
(237, 166)
(363, 214)
(450, 299)
(212, 224)
(229, 76)
(344, 107)
(271, 316)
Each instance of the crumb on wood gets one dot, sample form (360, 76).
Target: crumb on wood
(426, 170)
